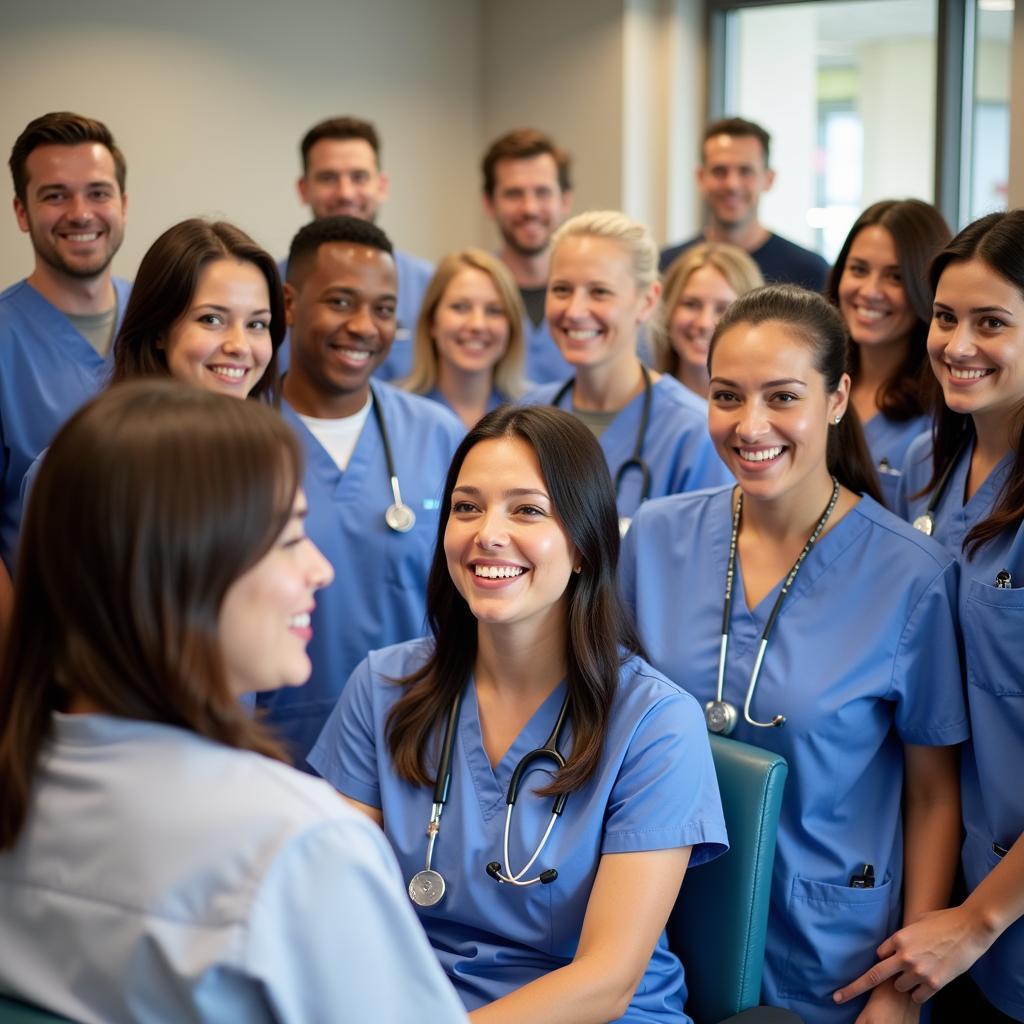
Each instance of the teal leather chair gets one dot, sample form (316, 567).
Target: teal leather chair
(717, 927)
(14, 1012)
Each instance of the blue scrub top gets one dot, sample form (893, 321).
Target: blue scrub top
(655, 788)
(47, 370)
(863, 658)
(544, 361)
(414, 275)
(495, 399)
(380, 576)
(677, 446)
(888, 441)
(992, 620)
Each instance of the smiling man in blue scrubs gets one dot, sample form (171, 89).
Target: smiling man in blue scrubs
(57, 324)
(340, 298)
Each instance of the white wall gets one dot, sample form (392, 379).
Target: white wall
(209, 102)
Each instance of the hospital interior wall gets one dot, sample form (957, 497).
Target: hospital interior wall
(209, 102)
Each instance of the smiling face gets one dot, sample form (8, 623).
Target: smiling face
(343, 178)
(222, 341)
(528, 204)
(264, 623)
(976, 340)
(508, 554)
(471, 326)
(74, 211)
(732, 178)
(872, 298)
(703, 300)
(594, 305)
(768, 412)
(342, 319)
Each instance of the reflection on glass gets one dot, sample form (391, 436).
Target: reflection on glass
(847, 91)
(990, 123)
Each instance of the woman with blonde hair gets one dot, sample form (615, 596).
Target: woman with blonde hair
(697, 289)
(603, 286)
(469, 350)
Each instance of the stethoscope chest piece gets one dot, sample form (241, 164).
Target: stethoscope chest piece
(720, 716)
(426, 888)
(400, 517)
(925, 523)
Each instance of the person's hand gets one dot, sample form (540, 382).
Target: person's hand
(888, 1006)
(924, 956)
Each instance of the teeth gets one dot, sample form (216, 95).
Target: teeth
(498, 572)
(90, 237)
(231, 372)
(357, 355)
(582, 335)
(761, 454)
(300, 621)
(870, 314)
(965, 373)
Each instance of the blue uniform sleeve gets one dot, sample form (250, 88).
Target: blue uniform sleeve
(345, 754)
(627, 565)
(927, 680)
(666, 794)
(333, 936)
(914, 474)
(699, 465)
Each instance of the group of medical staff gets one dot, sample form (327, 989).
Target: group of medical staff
(821, 545)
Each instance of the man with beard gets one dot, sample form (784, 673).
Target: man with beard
(733, 174)
(528, 192)
(341, 176)
(57, 325)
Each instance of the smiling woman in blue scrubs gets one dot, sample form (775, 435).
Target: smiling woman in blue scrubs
(969, 488)
(526, 626)
(879, 283)
(859, 686)
(603, 287)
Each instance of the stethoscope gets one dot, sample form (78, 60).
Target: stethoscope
(399, 516)
(720, 715)
(427, 887)
(925, 522)
(635, 461)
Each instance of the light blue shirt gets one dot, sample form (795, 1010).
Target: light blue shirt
(655, 788)
(888, 441)
(992, 620)
(676, 447)
(863, 659)
(495, 399)
(47, 370)
(380, 577)
(163, 877)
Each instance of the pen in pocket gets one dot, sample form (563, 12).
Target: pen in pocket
(1003, 579)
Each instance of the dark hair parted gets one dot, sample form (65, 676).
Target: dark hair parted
(809, 316)
(61, 128)
(327, 230)
(738, 128)
(918, 232)
(523, 144)
(998, 241)
(151, 502)
(162, 293)
(598, 631)
(340, 129)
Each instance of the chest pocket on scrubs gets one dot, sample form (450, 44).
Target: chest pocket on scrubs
(833, 932)
(993, 627)
(410, 554)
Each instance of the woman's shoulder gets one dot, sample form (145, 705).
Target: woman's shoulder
(384, 665)
(671, 394)
(678, 511)
(541, 394)
(893, 537)
(643, 689)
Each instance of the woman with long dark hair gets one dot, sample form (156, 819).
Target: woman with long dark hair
(879, 284)
(966, 487)
(821, 626)
(157, 861)
(533, 914)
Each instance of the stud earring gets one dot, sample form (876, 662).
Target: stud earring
(839, 420)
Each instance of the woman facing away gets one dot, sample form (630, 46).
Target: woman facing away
(535, 915)
(469, 350)
(157, 860)
(697, 289)
(966, 487)
(880, 286)
(819, 625)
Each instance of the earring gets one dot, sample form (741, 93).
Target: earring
(839, 420)
(577, 569)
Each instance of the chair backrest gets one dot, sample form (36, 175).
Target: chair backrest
(717, 927)
(14, 1012)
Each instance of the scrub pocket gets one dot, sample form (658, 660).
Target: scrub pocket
(993, 628)
(833, 931)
